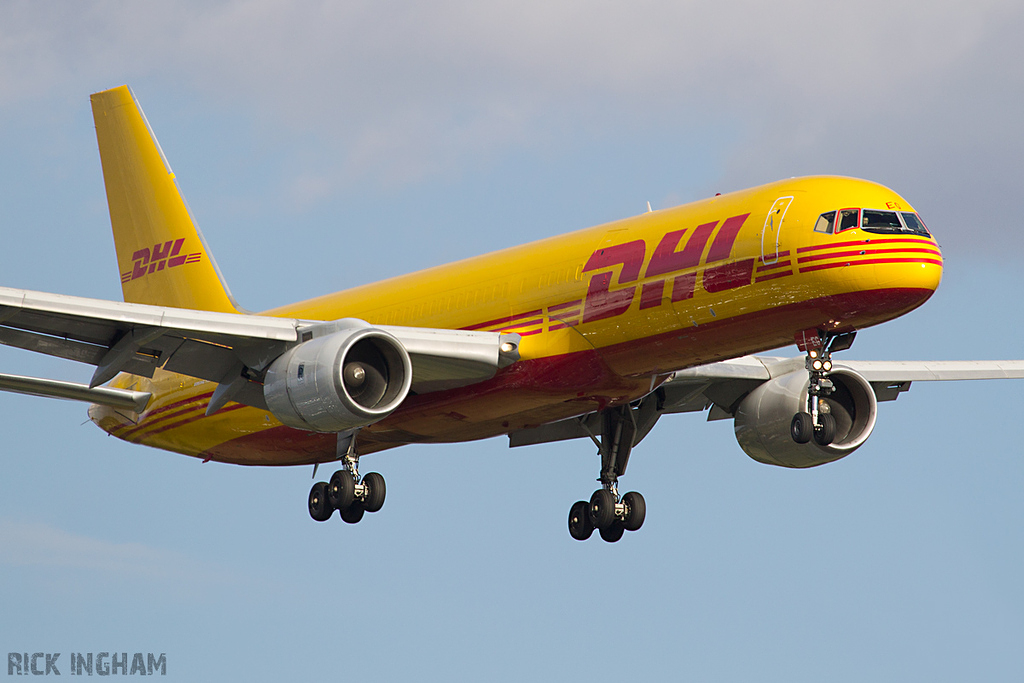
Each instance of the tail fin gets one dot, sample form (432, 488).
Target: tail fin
(161, 254)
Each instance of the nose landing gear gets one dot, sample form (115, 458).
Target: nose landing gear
(607, 512)
(817, 422)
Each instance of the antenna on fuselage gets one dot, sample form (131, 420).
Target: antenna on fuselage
(648, 207)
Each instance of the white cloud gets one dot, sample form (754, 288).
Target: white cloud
(396, 92)
(39, 545)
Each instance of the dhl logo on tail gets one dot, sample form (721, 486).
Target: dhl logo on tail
(148, 261)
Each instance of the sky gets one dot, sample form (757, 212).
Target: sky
(325, 145)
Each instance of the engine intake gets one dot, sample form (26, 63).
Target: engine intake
(350, 378)
(763, 419)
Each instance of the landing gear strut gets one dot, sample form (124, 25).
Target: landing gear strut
(610, 514)
(347, 492)
(817, 422)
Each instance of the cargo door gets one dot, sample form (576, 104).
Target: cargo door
(773, 229)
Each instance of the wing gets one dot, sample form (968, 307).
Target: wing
(720, 387)
(888, 379)
(230, 349)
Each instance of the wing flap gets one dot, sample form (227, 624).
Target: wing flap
(52, 346)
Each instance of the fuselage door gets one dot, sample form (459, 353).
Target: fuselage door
(772, 229)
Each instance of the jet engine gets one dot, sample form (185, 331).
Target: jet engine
(350, 378)
(764, 416)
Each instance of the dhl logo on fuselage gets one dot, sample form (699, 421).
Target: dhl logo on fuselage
(165, 255)
(668, 258)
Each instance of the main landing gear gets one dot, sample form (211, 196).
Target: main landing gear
(347, 492)
(606, 511)
(817, 422)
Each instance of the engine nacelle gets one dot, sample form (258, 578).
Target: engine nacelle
(350, 378)
(764, 417)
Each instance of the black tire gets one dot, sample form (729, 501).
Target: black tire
(580, 526)
(801, 428)
(374, 499)
(353, 513)
(602, 508)
(636, 511)
(319, 508)
(612, 533)
(342, 490)
(826, 431)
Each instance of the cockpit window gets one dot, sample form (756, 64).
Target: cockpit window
(880, 221)
(871, 220)
(825, 222)
(914, 223)
(848, 218)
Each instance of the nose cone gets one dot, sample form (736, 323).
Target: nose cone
(927, 273)
(903, 274)
(912, 265)
(875, 277)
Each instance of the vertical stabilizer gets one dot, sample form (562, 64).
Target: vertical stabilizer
(161, 255)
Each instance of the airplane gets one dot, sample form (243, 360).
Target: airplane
(592, 334)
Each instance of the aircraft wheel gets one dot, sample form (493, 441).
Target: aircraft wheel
(580, 526)
(826, 431)
(613, 532)
(602, 508)
(341, 490)
(636, 511)
(374, 499)
(801, 428)
(319, 508)
(353, 513)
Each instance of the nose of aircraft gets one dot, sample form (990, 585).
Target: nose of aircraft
(885, 276)
(923, 259)
(928, 272)
(908, 274)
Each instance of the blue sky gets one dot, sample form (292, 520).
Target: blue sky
(323, 146)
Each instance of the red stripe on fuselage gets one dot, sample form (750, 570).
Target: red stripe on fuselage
(894, 240)
(528, 323)
(781, 264)
(781, 254)
(567, 314)
(182, 423)
(148, 419)
(772, 276)
(863, 252)
(867, 262)
(152, 424)
(502, 321)
(567, 304)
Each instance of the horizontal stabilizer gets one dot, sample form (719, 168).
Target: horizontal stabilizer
(53, 388)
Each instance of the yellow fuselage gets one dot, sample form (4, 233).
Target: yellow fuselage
(605, 315)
